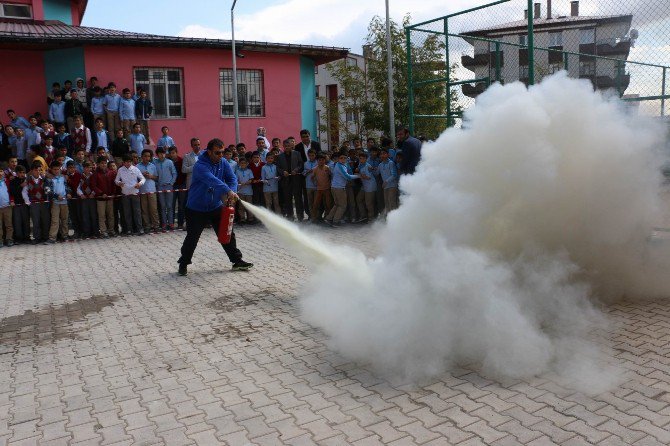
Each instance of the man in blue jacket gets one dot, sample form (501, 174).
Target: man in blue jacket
(411, 150)
(213, 181)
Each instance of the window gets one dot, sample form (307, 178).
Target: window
(15, 11)
(250, 101)
(555, 68)
(352, 62)
(523, 71)
(556, 39)
(317, 92)
(165, 88)
(587, 36)
(316, 69)
(351, 116)
(587, 68)
(523, 40)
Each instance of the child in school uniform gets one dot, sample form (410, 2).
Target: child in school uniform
(58, 194)
(389, 174)
(270, 179)
(322, 177)
(366, 196)
(341, 177)
(21, 212)
(34, 196)
(6, 224)
(244, 178)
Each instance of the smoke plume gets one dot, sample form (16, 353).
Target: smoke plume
(507, 234)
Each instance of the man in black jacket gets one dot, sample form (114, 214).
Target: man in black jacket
(289, 168)
(73, 107)
(306, 143)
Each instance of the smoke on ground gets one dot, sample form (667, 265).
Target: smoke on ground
(507, 233)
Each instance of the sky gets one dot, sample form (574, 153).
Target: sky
(341, 23)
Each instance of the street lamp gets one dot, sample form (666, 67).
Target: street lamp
(389, 73)
(235, 98)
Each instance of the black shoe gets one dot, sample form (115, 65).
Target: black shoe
(242, 266)
(183, 270)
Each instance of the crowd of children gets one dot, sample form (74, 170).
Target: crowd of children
(87, 172)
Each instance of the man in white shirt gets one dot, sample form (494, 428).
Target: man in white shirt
(189, 161)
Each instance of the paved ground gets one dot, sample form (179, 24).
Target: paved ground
(101, 343)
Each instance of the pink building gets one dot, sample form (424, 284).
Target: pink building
(189, 80)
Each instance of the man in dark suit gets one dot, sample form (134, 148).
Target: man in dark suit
(306, 144)
(289, 168)
(302, 148)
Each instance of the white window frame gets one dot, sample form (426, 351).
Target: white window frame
(587, 36)
(556, 38)
(523, 39)
(28, 7)
(591, 71)
(243, 82)
(555, 67)
(154, 79)
(524, 71)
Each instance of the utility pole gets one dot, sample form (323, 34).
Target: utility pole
(389, 69)
(236, 110)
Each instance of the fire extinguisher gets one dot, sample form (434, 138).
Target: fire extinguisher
(226, 223)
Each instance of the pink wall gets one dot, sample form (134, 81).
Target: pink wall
(201, 89)
(22, 83)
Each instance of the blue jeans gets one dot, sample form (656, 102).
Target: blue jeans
(166, 207)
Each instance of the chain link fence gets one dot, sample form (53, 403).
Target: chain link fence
(621, 46)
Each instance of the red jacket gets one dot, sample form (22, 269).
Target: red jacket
(256, 170)
(102, 183)
(73, 182)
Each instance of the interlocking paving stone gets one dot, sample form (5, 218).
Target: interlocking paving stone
(117, 349)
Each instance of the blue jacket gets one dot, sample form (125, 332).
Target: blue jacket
(308, 171)
(244, 175)
(127, 109)
(167, 173)
(97, 105)
(341, 176)
(4, 194)
(209, 182)
(165, 141)
(411, 154)
(269, 177)
(58, 188)
(149, 185)
(389, 174)
(57, 111)
(369, 185)
(112, 102)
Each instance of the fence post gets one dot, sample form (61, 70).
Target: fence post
(497, 61)
(410, 82)
(663, 92)
(531, 45)
(618, 78)
(448, 62)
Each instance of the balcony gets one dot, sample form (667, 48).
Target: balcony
(606, 82)
(606, 49)
(482, 59)
(473, 91)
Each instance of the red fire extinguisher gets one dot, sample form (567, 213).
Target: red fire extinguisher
(226, 223)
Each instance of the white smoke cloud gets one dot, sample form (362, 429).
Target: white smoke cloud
(507, 231)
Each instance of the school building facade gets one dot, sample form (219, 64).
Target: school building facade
(189, 80)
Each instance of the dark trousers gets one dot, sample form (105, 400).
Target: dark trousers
(41, 218)
(21, 223)
(257, 198)
(305, 200)
(179, 197)
(195, 223)
(75, 215)
(292, 191)
(88, 209)
(118, 216)
(132, 213)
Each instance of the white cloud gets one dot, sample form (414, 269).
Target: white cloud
(325, 22)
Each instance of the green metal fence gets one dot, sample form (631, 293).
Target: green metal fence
(622, 47)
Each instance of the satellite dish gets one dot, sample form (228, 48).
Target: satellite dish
(634, 34)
